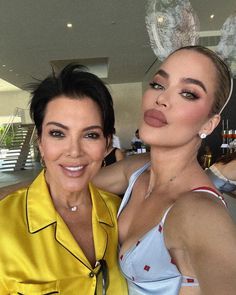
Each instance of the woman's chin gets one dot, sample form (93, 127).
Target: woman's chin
(70, 188)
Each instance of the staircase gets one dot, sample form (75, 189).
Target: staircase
(20, 153)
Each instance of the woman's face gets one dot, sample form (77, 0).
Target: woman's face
(72, 143)
(176, 106)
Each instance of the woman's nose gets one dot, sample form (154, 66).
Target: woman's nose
(162, 99)
(74, 149)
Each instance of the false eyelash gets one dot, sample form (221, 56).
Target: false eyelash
(194, 94)
(155, 85)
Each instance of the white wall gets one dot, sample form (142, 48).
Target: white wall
(7, 119)
(127, 102)
(9, 100)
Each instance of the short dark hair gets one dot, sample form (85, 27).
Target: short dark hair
(75, 82)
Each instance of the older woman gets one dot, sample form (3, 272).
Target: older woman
(59, 235)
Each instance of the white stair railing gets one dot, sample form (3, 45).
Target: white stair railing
(18, 112)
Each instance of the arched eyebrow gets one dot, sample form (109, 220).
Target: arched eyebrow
(57, 124)
(196, 82)
(67, 128)
(164, 74)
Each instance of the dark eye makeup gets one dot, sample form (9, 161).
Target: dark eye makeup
(56, 133)
(156, 85)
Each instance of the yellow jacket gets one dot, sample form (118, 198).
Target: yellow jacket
(38, 254)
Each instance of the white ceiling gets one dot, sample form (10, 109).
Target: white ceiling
(34, 33)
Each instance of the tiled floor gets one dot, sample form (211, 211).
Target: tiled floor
(8, 178)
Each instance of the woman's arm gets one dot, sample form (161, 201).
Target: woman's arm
(119, 155)
(228, 170)
(213, 252)
(114, 178)
(223, 175)
(208, 235)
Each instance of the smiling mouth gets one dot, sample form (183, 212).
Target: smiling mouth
(73, 168)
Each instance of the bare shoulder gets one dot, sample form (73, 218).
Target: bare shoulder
(228, 170)
(198, 207)
(200, 215)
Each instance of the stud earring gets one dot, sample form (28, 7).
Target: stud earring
(203, 135)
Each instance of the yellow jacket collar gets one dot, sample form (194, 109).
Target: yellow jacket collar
(100, 207)
(41, 211)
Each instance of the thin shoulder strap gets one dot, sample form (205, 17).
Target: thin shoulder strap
(198, 189)
(137, 173)
(165, 214)
(132, 181)
(211, 191)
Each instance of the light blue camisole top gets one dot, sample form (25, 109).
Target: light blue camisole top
(148, 266)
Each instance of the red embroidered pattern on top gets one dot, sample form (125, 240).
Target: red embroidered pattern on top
(147, 267)
(188, 280)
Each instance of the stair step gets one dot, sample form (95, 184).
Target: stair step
(19, 156)
(14, 150)
(7, 162)
(8, 165)
(18, 140)
(7, 169)
(12, 155)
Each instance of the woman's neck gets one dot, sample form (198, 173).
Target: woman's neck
(68, 200)
(170, 166)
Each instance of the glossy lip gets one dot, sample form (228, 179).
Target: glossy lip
(73, 170)
(155, 118)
